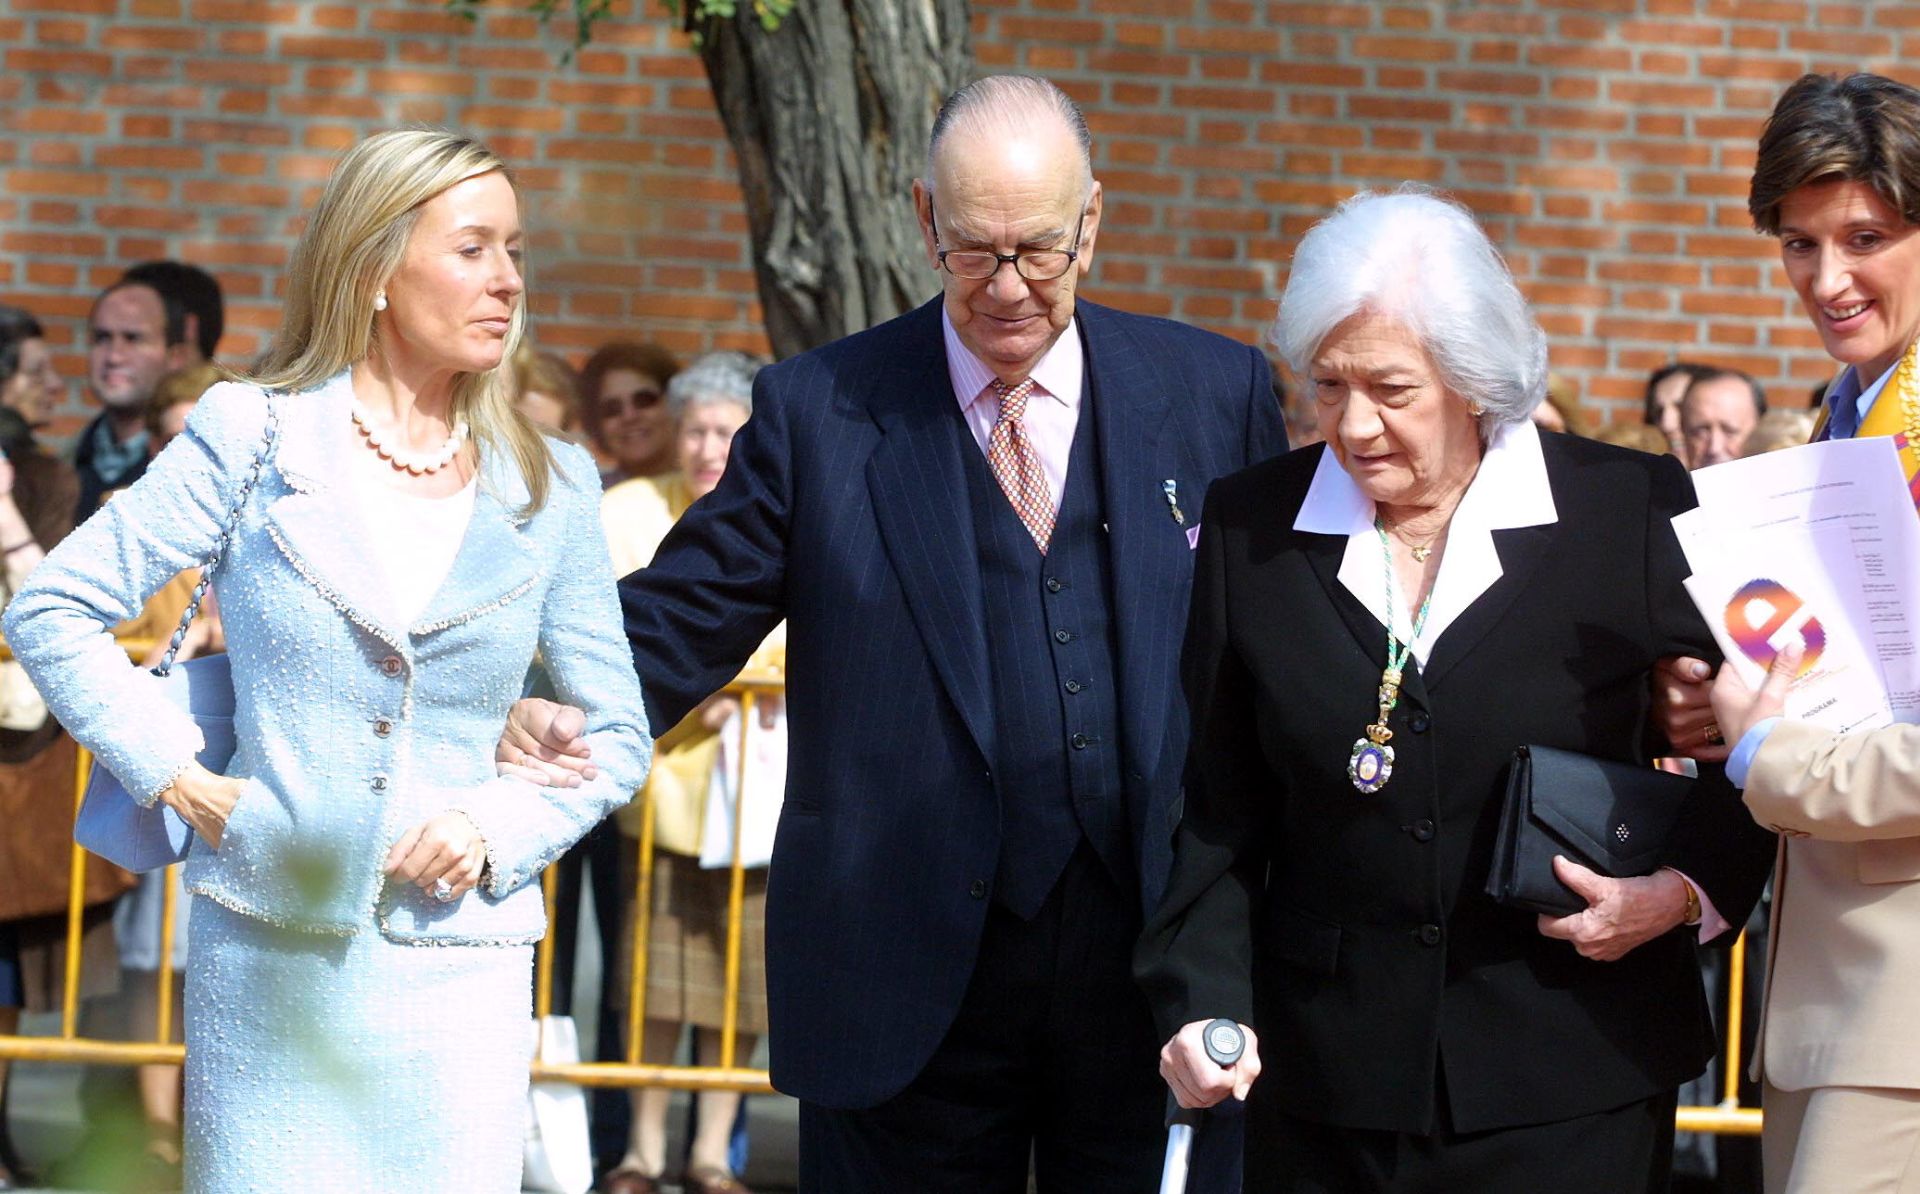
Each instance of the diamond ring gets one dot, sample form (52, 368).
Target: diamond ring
(443, 891)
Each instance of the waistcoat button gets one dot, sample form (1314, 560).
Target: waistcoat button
(382, 727)
(391, 665)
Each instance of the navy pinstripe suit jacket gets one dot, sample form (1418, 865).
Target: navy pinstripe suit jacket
(844, 511)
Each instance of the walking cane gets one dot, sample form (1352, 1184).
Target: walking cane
(1224, 1043)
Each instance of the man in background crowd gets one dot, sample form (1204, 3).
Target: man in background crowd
(1719, 411)
(135, 336)
(198, 297)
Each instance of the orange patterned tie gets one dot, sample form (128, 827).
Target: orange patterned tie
(1016, 465)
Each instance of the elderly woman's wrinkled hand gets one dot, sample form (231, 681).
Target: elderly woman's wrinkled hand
(1683, 712)
(545, 743)
(1621, 914)
(1196, 1079)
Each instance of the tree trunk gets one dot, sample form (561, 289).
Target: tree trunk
(829, 116)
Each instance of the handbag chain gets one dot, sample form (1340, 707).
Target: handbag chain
(226, 535)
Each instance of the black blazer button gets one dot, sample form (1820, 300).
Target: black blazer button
(1063, 636)
(979, 889)
(1054, 585)
(1429, 934)
(1419, 723)
(1079, 741)
(1422, 830)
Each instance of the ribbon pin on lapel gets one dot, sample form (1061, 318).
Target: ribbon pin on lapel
(1168, 488)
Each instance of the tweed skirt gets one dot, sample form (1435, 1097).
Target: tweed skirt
(347, 1064)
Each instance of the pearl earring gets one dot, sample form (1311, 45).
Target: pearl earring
(380, 301)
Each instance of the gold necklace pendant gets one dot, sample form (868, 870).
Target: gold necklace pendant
(1420, 554)
(1370, 765)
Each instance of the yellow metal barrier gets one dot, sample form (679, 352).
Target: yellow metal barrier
(1727, 1117)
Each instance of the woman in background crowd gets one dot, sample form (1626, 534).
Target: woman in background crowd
(34, 389)
(708, 402)
(546, 391)
(1666, 386)
(623, 387)
(38, 492)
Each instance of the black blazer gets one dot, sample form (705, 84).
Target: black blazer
(1353, 931)
(844, 510)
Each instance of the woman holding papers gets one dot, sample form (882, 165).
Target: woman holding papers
(1838, 181)
(1376, 626)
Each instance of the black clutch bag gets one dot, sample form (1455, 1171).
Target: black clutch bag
(1611, 817)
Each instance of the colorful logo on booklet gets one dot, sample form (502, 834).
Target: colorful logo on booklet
(1764, 616)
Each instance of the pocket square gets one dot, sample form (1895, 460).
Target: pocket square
(1193, 536)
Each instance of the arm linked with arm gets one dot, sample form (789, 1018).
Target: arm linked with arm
(526, 825)
(717, 585)
(1715, 845)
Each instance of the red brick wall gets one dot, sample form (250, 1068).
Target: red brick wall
(1606, 143)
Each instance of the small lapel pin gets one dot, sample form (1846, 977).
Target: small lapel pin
(1171, 491)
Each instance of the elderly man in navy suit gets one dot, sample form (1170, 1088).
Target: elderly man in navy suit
(976, 520)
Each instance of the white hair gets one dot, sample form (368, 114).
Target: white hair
(724, 375)
(1422, 261)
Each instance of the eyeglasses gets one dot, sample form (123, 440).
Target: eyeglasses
(1035, 265)
(615, 405)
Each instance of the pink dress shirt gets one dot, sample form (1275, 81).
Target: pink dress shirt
(1053, 410)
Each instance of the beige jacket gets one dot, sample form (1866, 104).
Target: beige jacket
(1845, 957)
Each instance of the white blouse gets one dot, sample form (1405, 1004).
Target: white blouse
(414, 541)
(1510, 490)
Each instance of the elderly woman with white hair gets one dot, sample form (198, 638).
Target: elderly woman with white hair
(708, 402)
(1377, 623)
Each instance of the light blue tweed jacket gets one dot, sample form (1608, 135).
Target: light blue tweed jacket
(351, 728)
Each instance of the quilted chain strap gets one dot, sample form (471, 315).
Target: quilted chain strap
(226, 535)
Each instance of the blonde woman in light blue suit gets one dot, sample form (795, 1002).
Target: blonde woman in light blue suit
(357, 997)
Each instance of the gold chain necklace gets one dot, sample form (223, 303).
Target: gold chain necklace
(1907, 386)
(1420, 551)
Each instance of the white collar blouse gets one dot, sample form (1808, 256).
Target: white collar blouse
(1510, 490)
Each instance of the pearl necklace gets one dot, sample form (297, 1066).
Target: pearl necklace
(418, 464)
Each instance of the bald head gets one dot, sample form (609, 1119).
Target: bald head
(1010, 107)
(1008, 178)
